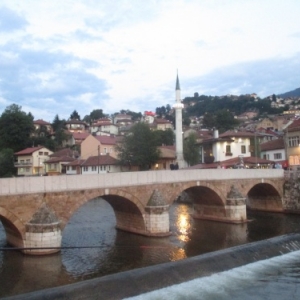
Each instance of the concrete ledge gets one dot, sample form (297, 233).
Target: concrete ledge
(138, 281)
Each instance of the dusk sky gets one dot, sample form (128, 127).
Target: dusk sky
(66, 55)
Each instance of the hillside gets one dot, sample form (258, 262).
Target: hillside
(294, 93)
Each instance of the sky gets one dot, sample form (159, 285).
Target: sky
(59, 56)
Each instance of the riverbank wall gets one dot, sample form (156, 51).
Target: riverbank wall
(139, 281)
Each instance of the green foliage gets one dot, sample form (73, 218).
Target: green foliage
(74, 115)
(191, 150)
(135, 116)
(163, 111)
(15, 128)
(238, 105)
(138, 148)
(7, 168)
(60, 134)
(222, 120)
(164, 137)
(96, 114)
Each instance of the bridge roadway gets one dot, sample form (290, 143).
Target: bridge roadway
(35, 210)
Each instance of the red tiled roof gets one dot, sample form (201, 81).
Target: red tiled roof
(272, 145)
(106, 140)
(100, 160)
(76, 162)
(232, 133)
(63, 152)
(232, 162)
(41, 122)
(29, 150)
(294, 126)
(59, 159)
(80, 135)
(162, 121)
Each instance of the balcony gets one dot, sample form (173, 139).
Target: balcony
(19, 164)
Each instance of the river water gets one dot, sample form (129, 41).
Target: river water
(92, 247)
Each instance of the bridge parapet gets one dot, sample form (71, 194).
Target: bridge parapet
(45, 184)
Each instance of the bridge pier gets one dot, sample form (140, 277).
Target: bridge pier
(157, 216)
(43, 234)
(234, 211)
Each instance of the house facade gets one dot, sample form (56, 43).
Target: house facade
(31, 161)
(227, 145)
(98, 145)
(77, 126)
(100, 164)
(274, 150)
(292, 138)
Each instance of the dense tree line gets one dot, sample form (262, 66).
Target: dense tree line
(240, 104)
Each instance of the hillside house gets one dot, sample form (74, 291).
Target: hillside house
(99, 145)
(77, 126)
(100, 164)
(228, 145)
(56, 164)
(30, 161)
(274, 150)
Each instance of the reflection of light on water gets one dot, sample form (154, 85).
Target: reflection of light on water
(177, 254)
(183, 223)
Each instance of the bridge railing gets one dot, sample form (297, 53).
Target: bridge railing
(26, 185)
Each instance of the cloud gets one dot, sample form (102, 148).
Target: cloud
(91, 54)
(264, 77)
(10, 20)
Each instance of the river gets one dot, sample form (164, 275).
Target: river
(92, 247)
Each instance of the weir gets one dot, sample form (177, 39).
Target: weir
(139, 281)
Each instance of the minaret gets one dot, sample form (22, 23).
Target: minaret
(178, 106)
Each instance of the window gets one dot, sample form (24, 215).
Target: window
(243, 149)
(40, 153)
(73, 168)
(85, 168)
(293, 141)
(105, 150)
(94, 168)
(277, 156)
(266, 156)
(228, 150)
(45, 153)
(27, 170)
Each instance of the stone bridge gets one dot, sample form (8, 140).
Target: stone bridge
(35, 210)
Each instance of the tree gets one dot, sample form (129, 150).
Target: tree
(96, 114)
(60, 133)
(74, 115)
(209, 121)
(15, 128)
(164, 137)
(191, 150)
(138, 148)
(7, 168)
(225, 121)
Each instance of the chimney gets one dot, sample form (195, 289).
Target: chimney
(216, 133)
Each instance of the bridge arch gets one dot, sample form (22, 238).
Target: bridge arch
(265, 197)
(206, 194)
(14, 228)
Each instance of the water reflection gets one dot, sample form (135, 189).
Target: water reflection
(114, 251)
